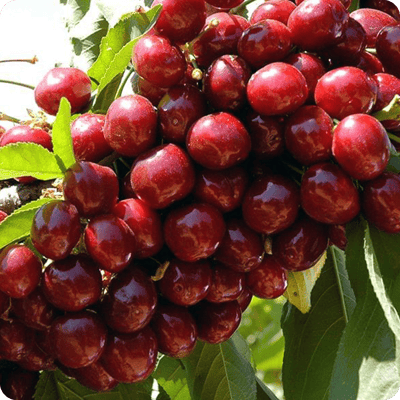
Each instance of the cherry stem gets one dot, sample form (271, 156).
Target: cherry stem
(391, 111)
(33, 60)
(239, 8)
(17, 84)
(5, 117)
(393, 137)
(293, 168)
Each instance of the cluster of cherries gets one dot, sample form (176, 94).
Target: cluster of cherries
(250, 143)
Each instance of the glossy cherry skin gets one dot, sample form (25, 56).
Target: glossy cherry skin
(130, 357)
(176, 330)
(194, 232)
(56, 229)
(162, 175)
(328, 194)
(264, 42)
(215, 41)
(216, 322)
(35, 359)
(271, 204)
(301, 245)
(241, 248)
(218, 141)
(308, 135)
(130, 301)
(222, 189)
(19, 384)
(130, 125)
(317, 24)
(20, 271)
(268, 280)
(277, 89)
(361, 146)
(145, 224)
(225, 83)
(91, 188)
(388, 49)
(110, 242)
(380, 202)
(71, 83)
(186, 283)
(244, 299)
(78, 339)
(73, 283)
(226, 284)
(344, 91)
(278, 10)
(225, 4)
(369, 63)
(337, 236)
(88, 138)
(386, 6)
(15, 340)
(158, 61)
(178, 109)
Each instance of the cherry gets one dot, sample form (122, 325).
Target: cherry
(271, 204)
(178, 109)
(369, 63)
(361, 146)
(73, 283)
(222, 189)
(91, 188)
(194, 231)
(145, 223)
(218, 141)
(110, 242)
(316, 24)
(388, 49)
(71, 83)
(130, 301)
(380, 202)
(241, 248)
(386, 6)
(225, 4)
(225, 83)
(337, 236)
(175, 329)
(301, 245)
(308, 135)
(56, 229)
(152, 92)
(15, 340)
(277, 89)
(328, 194)
(265, 42)
(88, 138)
(19, 384)
(78, 339)
(158, 61)
(216, 322)
(162, 175)
(35, 359)
(130, 125)
(5, 304)
(186, 283)
(3, 215)
(130, 357)
(95, 377)
(279, 10)
(244, 299)
(268, 280)
(20, 270)
(344, 91)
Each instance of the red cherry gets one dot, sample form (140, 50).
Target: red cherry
(388, 48)
(19, 384)
(279, 10)
(337, 236)
(94, 377)
(15, 340)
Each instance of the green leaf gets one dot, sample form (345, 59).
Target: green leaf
(312, 339)
(61, 136)
(263, 392)
(219, 372)
(107, 95)
(394, 163)
(17, 225)
(28, 159)
(46, 388)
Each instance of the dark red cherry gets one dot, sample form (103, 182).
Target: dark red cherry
(194, 232)
(388, 49)
(225, 4)
(5, 304)
(361, 146)
(152, 92)
(15, 340)
(386, 6)
(218, 141)
(271, 204)
(73, 283)
(94, 377)
(328, 194)
(130, 125)
(145, 223)
(186, 283)
(301, 245)
(35, 359)
(56, 229)
(216, 322)
(19, 384)
(130, 301)
(279, 10)
(268, 280)
(130, 357)
(368, 62)
(162, 175)
(337, 236)
(244, 299)
(175, 329)
(20, 270)
(78, 339)
(110, 242)
(71, 83)
(91, 188)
